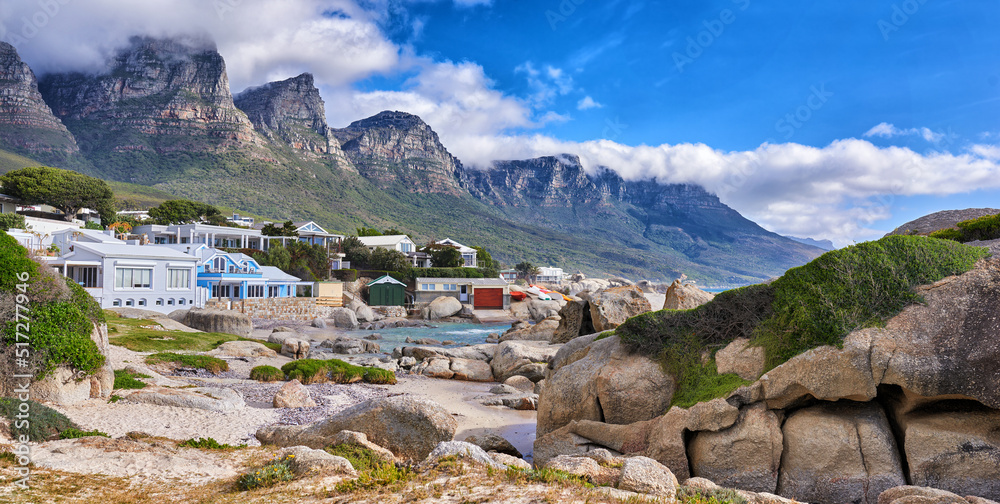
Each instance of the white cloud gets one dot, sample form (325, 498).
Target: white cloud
(261, 41)
(886, 130)
(587, 103)
(546, 83)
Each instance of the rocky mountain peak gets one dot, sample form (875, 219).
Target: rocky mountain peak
(162, 95)
(291, 111)
(400, 150)
(27, 124)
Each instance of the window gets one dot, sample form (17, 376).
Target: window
(405, 247)
(180, 301)
(159, 302)
(133, 278)
(117, 302)
(273, 291)
(430, 287)
(219, 264)
(170, 302)
(142, 302)
(159, 240)
(178, 278)
(129, 302)
(86, 277)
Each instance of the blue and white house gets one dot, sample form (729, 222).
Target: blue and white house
(228, 275)
(119, 274)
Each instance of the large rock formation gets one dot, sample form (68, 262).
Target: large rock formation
(290, 111)
(223, 321)
(156, 96)
(397, 149)
(410, 428)
(611, 307)
(27, 124)
(681, 296)
(914, 401)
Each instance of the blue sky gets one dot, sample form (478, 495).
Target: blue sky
(833, 120)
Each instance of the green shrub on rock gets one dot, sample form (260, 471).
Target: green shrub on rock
(810, 306)
(268, 475)
(334, 370)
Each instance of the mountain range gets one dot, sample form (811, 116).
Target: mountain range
(162, 115)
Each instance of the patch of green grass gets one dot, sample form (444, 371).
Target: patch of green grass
(810, 306)
(210, 364)
(73, 433)
(372, 470)
(334, 370)
(545, 475)
(127, 380)
(136, 335)
(266, 374)
(206, 444)
(43, 422)
(268, 475)
(604, 335)
(691, 495)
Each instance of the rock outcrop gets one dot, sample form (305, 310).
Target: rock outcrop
(410, 428)
(223, 321)
(611, 307)
(681, 296)
(290, 111)
(914, 401)
(27, 124)
(442, 307)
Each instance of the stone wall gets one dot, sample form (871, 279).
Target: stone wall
(298, 308)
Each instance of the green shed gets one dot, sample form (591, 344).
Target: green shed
(386, 291)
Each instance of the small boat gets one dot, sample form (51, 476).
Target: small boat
(535, 291)
(518, 296)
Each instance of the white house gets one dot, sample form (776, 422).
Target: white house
(468, 253)
(197, 234)
(401, 243)
(550, 275)
(140, 276)
(9, 204)
(64, 238)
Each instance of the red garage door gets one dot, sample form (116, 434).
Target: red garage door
(489, 298)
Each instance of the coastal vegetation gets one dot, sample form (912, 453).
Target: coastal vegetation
(334, 370)
(143, 335)
(211, 364)
(810, 306)
(65, 190)
(46, 423)
(982, 228)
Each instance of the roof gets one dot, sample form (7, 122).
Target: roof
(461, 248)
(481, 282)
(139, 251)
(93, 234)
(10, 199)
(274, 274)
(386, 279)
(382, 241)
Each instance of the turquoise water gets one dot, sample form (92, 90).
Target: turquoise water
(459, 333)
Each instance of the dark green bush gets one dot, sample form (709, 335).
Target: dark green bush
(813, 305)
(59, 334)
(11, 221)
(45, 423)
(267, 374)
(986, 227)
(13, 260)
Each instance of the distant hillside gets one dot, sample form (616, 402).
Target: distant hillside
(941, 220)
(823, 244)
(161, 122)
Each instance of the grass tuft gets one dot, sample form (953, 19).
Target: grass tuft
(268, 475)
(128, 380)
(691, 495)
(266, 374)
(334, 370)
(207, 444)
(372, 470)
(74, 433)
(210, 364)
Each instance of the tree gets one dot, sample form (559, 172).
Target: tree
(388, 260)
(11, 221)
(355, 252)
(287, 229)
(444, 256)
(66, 190)
(526, 270)
(183, 212)
(308, 262)
(364, 231)
(393, 232)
